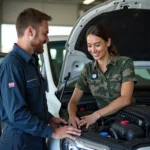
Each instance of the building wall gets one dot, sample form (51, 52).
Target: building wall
(62, 14)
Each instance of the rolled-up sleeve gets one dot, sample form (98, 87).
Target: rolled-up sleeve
(128, 73)
(13, 94)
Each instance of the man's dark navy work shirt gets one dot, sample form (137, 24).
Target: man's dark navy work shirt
(23, 103)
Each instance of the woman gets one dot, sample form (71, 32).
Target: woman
(110, 79)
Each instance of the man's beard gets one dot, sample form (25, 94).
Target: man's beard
(36, 48)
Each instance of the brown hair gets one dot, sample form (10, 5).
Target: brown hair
(102, 32)
(30, 17)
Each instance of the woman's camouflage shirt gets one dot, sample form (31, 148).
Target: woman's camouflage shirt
(107, 86)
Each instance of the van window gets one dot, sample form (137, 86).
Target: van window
(56, 56)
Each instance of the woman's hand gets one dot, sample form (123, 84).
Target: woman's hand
(89, 119)
(74, 121)
(72, 107)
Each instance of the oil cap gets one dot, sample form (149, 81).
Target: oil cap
(123, 122)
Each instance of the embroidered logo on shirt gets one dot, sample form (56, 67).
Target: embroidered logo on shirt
(32, 80)
(11, 84)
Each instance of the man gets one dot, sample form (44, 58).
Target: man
(23, 105)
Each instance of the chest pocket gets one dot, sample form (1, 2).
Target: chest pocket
(95, 86)
(32, 83)
(115, 78)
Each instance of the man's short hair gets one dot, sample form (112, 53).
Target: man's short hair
(30, 17)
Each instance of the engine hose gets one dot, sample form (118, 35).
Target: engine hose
(113, 133)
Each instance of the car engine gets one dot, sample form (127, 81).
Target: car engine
(129, 129)
(130, 123)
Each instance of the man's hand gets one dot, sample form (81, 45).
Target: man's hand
(55, 122)
(74, 120)
(89, 119)
(66, 132)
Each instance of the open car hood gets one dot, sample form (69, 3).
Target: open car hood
(128, 22)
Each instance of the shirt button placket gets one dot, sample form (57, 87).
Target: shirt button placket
(106, 87)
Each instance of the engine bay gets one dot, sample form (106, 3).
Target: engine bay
(130, 123)
(129, 129)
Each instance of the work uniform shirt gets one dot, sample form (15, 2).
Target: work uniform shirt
(23, 104)
(106, 87)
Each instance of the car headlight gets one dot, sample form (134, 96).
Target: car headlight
(68, 144)
(82, 144)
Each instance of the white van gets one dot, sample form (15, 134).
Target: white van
(129, 24)
(51, 63)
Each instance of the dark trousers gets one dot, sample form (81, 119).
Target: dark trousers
(12, 140)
